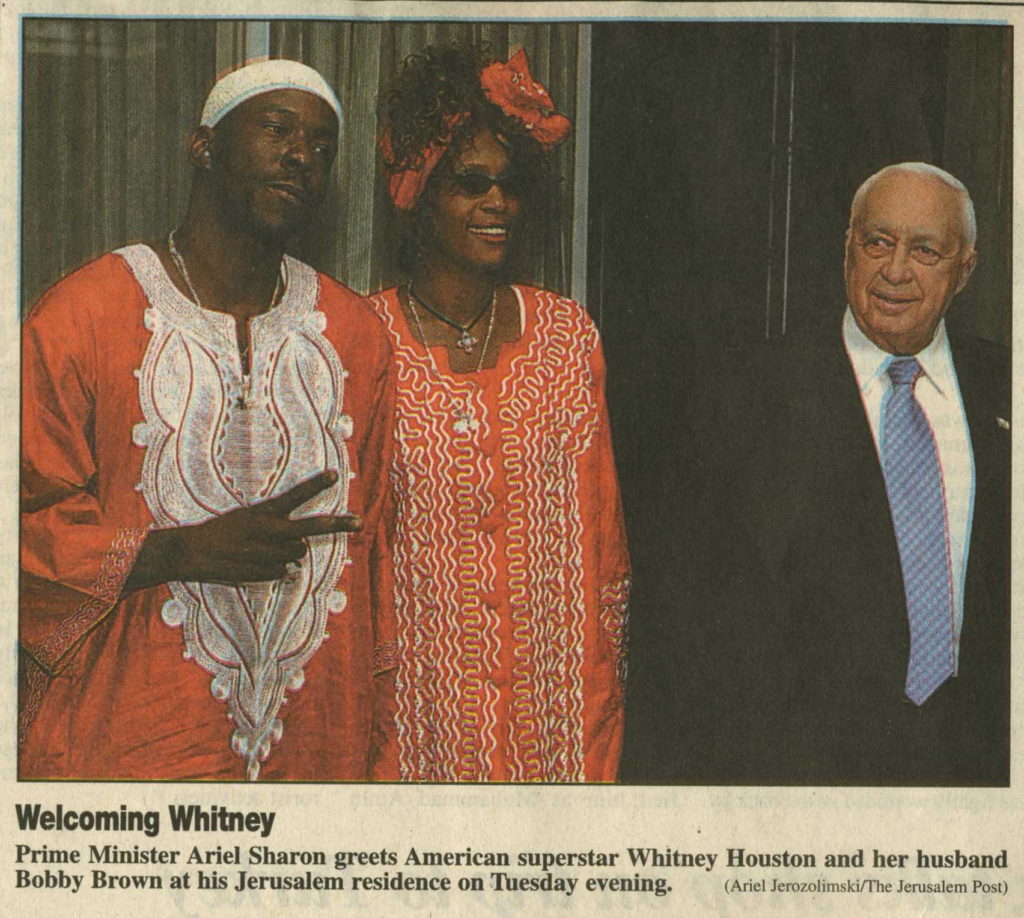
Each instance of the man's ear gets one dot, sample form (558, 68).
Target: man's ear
(967, 264)
(200, 148)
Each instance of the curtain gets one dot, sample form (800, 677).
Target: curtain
(724, 157)
(108, 106)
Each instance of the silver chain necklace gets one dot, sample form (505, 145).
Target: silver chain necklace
(466, 341)
(465, 419)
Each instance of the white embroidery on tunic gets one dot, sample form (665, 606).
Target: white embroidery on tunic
(206, 455)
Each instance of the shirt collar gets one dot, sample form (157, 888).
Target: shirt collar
(870, 362)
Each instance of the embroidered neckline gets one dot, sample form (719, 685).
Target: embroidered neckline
(208, 325)
(507, 350)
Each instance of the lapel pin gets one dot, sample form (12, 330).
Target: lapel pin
(1002, 422)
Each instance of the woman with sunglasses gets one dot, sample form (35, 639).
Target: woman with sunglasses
(510, 557)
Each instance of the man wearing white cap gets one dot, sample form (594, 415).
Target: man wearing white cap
(204, 481)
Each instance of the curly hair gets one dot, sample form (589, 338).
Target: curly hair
(427, 102)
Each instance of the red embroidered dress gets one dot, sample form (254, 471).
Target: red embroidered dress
(136, 415)
(510, 557)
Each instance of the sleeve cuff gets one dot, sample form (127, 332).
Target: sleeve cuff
(52, 653)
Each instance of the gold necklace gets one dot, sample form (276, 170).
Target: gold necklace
(243, 353)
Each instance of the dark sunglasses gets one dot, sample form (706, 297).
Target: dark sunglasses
(477, 184)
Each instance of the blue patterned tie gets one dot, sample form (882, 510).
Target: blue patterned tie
(913, 481)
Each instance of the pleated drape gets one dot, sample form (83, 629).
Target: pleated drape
(106, 106)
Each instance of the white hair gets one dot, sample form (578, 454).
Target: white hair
(969, 226)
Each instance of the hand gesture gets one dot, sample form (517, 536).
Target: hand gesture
(248, 544)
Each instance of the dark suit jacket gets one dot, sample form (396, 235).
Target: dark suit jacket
(778, 655)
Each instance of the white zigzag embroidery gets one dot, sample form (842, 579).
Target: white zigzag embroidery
(548, 416)
(448, 646)
(614, 600)
(448, 716)
(206, 456)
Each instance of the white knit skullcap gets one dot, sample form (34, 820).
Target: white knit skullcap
(236, 87)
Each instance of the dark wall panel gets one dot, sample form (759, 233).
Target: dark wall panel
(723, 160)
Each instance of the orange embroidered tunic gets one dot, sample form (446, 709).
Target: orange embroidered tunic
(136, 415)
(510, 557)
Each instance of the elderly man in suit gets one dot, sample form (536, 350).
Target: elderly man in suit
(843, 596)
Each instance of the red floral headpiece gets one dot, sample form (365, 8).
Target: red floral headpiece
(509, 86)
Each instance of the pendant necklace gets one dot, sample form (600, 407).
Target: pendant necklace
(466, 341)
(462, 411)
(243, 356)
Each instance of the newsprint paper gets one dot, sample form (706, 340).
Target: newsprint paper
(197, 848)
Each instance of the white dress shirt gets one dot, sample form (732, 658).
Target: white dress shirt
(938, 394)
